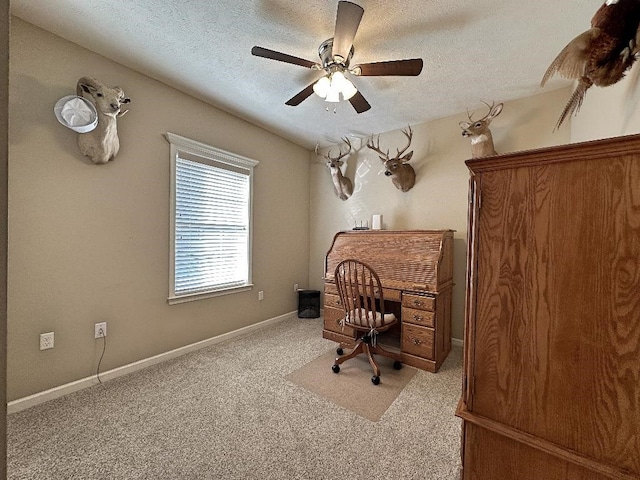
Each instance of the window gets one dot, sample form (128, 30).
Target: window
(211, 199)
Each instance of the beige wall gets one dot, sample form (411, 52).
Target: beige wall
(439, 198)
(90, 243)
(609, 112)
(4, 157)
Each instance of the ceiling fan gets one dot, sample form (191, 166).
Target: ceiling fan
(335, 57)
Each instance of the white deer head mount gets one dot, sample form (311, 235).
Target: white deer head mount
(343, 186)
(101, 145)
(478, 131)
(402, 174)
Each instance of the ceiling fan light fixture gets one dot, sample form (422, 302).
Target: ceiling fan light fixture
(338, 80)
(333, 96)
(333, 85)
(336, 61)
(348, 89)
(322, 87)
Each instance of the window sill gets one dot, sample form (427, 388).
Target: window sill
(200, 296)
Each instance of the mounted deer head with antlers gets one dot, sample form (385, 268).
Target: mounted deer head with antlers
(402, 174)
(342, 184)
(478, 130)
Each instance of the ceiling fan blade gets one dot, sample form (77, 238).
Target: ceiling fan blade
(281, 57)
(347, 23)
(303, 95)
(359, 103)
(411, 67)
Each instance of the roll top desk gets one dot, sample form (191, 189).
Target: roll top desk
(416, 271)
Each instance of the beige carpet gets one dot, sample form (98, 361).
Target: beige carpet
(352, 388)
(226, 412)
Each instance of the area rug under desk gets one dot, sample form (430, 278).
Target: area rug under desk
(352, 387)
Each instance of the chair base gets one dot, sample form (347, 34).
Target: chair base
(364, 345)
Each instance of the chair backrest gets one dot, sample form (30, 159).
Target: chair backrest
(359, 287)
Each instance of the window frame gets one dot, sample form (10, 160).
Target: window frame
(212, 156)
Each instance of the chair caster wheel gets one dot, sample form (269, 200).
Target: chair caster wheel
(375, 379)
(397, 365)
(335, 368)
(339, 351)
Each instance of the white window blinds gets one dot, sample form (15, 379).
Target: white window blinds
(211, 222)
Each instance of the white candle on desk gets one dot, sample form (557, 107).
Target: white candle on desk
(376, 222)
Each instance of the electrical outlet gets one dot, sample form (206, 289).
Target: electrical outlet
(100, 330)
(260, 295)
(46, 341)
(295, 287)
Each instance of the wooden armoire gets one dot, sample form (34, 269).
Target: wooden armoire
(551, 386)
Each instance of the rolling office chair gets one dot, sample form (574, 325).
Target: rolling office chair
(361, 296)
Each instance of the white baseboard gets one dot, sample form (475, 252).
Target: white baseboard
(62, 390)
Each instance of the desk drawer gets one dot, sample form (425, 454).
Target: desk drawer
(419, 317)
(420, 302)
(331, 300)
(417, 340)
(332, 317)
(330, 288)
(391, 294)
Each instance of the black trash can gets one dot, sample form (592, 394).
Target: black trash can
(308, 303)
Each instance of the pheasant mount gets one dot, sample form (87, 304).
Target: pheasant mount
(601, 55)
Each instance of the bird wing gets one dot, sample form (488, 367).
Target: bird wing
(572, 61)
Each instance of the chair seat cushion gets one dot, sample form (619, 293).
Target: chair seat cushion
(359, 318)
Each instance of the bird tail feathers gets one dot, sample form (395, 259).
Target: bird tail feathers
(575, 101)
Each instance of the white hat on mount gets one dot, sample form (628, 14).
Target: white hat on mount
(76, 113)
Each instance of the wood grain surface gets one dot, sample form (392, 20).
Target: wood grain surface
(554, 298)
(416, 271)
(404, 260)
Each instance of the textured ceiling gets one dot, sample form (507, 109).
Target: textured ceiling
(473, 51)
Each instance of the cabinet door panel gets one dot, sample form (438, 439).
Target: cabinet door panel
(492, 456)
(557, 313)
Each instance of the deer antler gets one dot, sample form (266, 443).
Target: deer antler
(493, 104)
(340, 153)
(371, 144)
(409, 134)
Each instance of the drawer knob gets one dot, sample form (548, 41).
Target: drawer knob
(417, 318)
(416, 341)
(418, 303)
